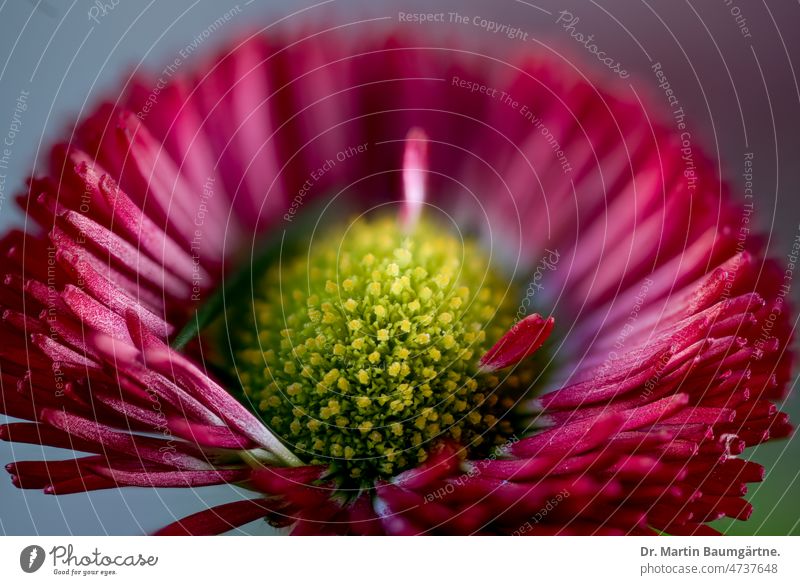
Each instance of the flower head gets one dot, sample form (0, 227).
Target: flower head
(187, 315)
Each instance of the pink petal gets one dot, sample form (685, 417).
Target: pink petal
(522, 340)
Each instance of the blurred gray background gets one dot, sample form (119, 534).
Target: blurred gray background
(739, 88)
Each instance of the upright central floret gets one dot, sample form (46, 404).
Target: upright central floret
(363, 353)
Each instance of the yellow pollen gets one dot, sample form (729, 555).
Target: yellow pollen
(379, 362)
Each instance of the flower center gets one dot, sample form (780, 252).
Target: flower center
(363, 354)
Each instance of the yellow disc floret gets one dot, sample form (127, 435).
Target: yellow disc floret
(368, 348)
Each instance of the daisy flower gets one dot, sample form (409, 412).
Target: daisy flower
(393, 288)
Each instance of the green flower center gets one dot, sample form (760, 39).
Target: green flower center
(362, 354)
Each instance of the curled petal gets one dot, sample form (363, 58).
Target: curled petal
(519, 342)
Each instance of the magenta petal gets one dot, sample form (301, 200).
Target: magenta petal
(220, 518)
(218, 399)
(170, 478)
(220, 437)
(438, 465)
(517, 343)
(40, 434)
(150, 449)
(572, 438)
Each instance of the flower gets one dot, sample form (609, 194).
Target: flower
(390, 377)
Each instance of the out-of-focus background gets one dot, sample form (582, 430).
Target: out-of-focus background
(731, 62)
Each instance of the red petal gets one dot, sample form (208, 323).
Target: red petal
(517, 343)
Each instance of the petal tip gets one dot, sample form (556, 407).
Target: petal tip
(522, 340)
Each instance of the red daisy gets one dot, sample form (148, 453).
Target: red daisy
(194, 308)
